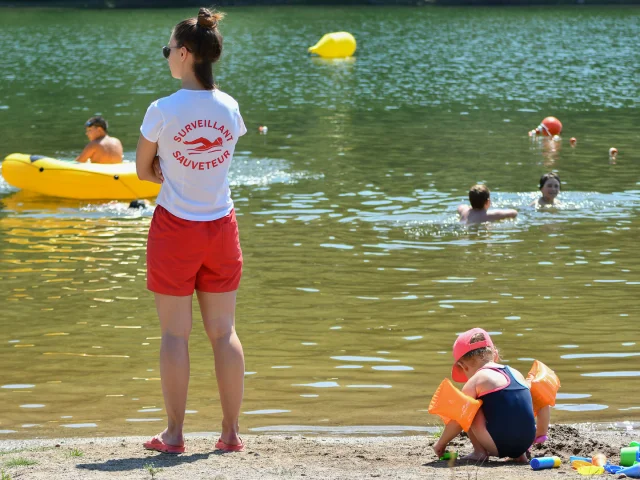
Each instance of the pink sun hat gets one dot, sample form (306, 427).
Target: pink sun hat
(462, 346)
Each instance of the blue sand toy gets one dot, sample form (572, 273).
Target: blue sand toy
(632, 472)
(612, 468)
(543, 463)
(584, 459)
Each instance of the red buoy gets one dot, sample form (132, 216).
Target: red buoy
(549, 127)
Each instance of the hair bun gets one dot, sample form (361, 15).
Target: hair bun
(208, 20)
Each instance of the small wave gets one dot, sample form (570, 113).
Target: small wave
(5, 187)
(245, 171)
(248, 171)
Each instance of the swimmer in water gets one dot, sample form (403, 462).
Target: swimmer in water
(140, 203)
(550, 188)
(101, 147)
(478, 212)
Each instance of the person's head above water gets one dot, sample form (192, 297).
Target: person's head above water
(479, 197)
(550, 186)
(96, 127)
(195, 45)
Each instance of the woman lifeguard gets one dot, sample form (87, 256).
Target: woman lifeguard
(187, 142)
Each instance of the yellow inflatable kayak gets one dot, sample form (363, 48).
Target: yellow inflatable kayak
(84, 181)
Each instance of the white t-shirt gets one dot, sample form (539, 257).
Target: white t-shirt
(196, 132)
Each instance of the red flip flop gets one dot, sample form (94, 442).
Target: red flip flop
(158, 445)
(225, 447)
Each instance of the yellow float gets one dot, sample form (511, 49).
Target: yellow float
(335, 45)
(83, 181)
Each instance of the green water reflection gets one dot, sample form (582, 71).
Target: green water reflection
(357, 274)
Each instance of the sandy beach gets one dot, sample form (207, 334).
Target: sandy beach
(312, 457)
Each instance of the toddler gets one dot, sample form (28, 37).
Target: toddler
(504, 425)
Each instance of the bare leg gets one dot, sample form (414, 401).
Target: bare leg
(483, 444)
(175, 324)
(542, 425)
(218, 315)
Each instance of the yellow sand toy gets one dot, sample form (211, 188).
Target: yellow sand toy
(83, 181)
(335, 45)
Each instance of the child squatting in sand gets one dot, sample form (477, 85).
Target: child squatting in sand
(480, 199)
(504, 425)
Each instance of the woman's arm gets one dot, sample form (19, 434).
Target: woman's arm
(145, 159)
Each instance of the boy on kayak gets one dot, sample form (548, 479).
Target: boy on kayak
(101, 147)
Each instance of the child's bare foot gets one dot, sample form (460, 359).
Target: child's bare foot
(521, 459)
(476, 456)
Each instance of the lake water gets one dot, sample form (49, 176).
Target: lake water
(357, 273)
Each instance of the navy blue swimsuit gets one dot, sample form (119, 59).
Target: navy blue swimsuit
(509, 415)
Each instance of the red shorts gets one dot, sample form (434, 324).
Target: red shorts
(183, 255)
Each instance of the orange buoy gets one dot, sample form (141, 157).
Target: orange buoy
(573, 141)
(549, 127)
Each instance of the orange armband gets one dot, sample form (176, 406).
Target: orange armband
(451, 404)
(544, 386)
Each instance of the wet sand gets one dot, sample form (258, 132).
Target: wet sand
(279, 456)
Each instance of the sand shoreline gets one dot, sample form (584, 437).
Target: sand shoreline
(289, 456)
